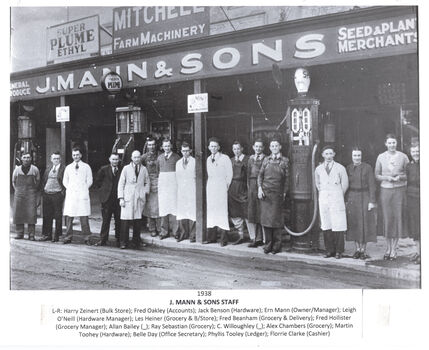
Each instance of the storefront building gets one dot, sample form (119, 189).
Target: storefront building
(363, 67)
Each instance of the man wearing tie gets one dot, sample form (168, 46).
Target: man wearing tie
(133, 186)
(53, 198)
(219, 171)
(186, 194)
(77, 181)
(107, 182)
(332, 182)
(167, 191)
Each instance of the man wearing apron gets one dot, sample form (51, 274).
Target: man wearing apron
(332, 182)
(25, 181)
(237, 192)
(253, 220)
(167, 191)
(186, 194)
(151, 209)
(272, 187)
(219, 171)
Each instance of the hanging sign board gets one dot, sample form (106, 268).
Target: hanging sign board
(198, 103)
(73, 40)
(63, 114)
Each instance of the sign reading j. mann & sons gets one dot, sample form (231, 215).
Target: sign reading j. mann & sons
(144, 26)
(73, 40)
(381, 38)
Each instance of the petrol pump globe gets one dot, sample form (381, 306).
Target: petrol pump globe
(302, 80)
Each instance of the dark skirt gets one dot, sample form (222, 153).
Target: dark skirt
(361, 223)
(254, 204)
(393, 202)
(272, 210)
(413, 211)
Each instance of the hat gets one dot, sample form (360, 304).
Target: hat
(328, 147)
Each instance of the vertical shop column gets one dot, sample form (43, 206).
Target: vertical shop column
(63, 134)
(200, 165)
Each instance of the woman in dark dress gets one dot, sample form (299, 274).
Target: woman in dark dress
(360, 204)
(413, 199)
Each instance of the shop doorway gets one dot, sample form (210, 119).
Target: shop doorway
(229, 129)
(53, 143)
(100, 142)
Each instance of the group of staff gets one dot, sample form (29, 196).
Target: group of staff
(249, 191)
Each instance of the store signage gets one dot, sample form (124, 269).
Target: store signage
(327, 45)
(144, 26)
(73, 40)
(111, 82)
(198, 103)
(62, 114)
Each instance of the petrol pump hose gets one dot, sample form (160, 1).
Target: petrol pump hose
(313, 220)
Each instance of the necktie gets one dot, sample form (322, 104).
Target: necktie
(185, 161)
(55, 170)
(137, 171)
(328, 169)
(115, 171)
(77, 166)
(213, 159)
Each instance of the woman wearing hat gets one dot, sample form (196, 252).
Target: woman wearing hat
(390, 171)
(360, 204)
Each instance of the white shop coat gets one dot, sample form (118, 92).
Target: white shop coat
(133, 190)
(186, 189)
(331, 196)
(77, 183)
(219, 178)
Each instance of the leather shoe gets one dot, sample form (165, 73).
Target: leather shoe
(208, 242)
(338, 256)
(255, 244)
(275, 251)
(54, 240)
(223, 243)
(364, 256)
(266, 251)
(31, 238)
(163, 237)
(19, 237)
(192, 240)
(67, 241)
(238, 241)
(329, 255)
(44, 239)
(99, 244)
(356, 255)
(123, 246)
(154, 234)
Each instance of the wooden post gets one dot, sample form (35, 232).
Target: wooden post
(63, 134)
(200, 168)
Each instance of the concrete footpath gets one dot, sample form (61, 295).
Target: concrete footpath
(401, 268)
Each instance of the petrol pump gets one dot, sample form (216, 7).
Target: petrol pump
(25, 143)
(302, 120)
(130, 129)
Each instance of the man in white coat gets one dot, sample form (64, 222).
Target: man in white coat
(133, 186)
(219, 171)
(186, 194)
(77, 180)
(332, 183)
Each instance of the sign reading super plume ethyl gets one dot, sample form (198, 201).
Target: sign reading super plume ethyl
(73, 40)
(144, 26)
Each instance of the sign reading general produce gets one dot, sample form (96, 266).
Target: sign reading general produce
(73, 40)
(144, 26)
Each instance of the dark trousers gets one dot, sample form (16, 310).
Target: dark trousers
(109, 208)
(125, 231)
(187, 229)
(334, 241)
(154, 225)
(273, 239)
(20, 230)
(169, 224)
(84, 222)
(52, 209)
(212, 235)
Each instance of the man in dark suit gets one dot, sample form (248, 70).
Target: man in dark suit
(107, 182)
(53, 193)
